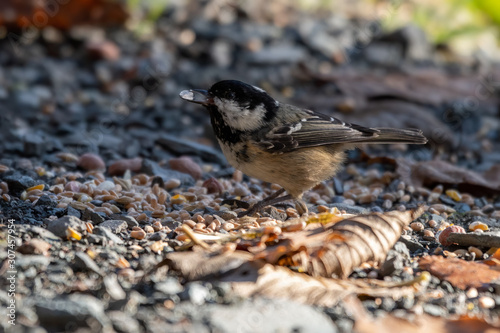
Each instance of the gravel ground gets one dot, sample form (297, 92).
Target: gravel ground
(101, 164)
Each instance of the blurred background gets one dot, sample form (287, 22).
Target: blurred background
(104, 76)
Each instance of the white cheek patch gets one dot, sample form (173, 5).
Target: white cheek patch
(241, 118)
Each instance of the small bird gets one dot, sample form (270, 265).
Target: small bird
(281, 143)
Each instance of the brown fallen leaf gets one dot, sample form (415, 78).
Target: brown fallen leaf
(430, 173)
(62, 14)
(365, 323)
(460, 273)
(258, 278)
(343, 246)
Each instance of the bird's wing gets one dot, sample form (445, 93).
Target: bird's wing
(314, 130)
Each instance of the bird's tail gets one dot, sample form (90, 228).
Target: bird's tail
(395, 135)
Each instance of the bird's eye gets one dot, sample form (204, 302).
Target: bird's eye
(229, 95)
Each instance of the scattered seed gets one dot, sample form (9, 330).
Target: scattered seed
(454, 194)
(72, 234)
(172, 183)
(417, 226)
(428, 233)
(476, 251)
(178, 199)
(478, 225)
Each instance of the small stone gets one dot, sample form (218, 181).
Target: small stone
(170, 286)
(130, 220)
(34, 246)
(91, 161)
(72, 186)
(486, 302)
(488, 209)
(119, 167)
(138, 234)
(476, 251)
(113, 287)
(116, 226)
(417, 226)
(446, 232)
(196, 293)
(82, 261)
(18, 183)
(186, 165)
(432, 223)
(103, 49)
(172, 183)
(213, 185)
(429, 234)
(89, 215)
(107, 233)
(472, 293)
(454, 194)
(60, 226)
(106, 186)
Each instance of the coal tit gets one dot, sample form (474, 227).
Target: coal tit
(283, 144)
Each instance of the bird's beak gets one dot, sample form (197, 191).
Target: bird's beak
(197, 96)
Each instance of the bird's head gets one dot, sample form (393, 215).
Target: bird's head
(242, 106)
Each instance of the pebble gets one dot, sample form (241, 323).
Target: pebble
(486, 302)
(472, 293)
(186, 165)
(138, 233)
(454, 194)
(116, 226)
(417, 226)
(476, 251)
(118, 168)
(60, 226)
(213, 185)
(445, 233)
(106, 186)
(90, 161)
(429, 234)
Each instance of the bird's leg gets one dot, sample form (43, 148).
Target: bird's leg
(270, 200)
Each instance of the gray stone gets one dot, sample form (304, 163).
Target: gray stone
(106, 232)
(83, 262)
(196, 293)
(131, 221)
(116, 226)
(170, 286)
(18, 183)
(122, 322)
(270, 316)
(113, 287)
(67, 313)
(58, 227)
(183, 147)
(89, 215)
(350, 209)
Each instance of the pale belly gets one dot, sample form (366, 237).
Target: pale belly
(296, 171)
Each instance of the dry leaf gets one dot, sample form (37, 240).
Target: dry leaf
(365, 323)
(62, 14)
(430, 173)
(460, 273)
(338, 249)
(257, 278)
